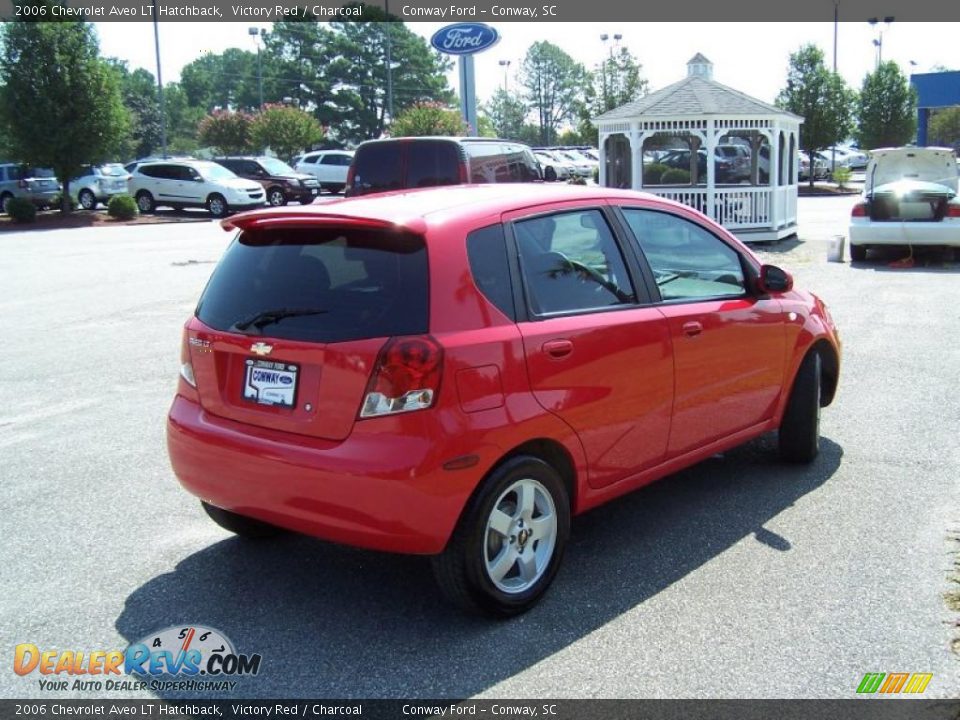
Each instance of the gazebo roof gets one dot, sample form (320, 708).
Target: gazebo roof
(694, 96)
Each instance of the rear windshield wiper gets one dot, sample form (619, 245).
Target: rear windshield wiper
(268, 317)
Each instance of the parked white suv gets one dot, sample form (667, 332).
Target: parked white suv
(193, 183)
(329, 167)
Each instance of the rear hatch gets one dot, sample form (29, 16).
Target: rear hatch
(910, 184)
(289, 328)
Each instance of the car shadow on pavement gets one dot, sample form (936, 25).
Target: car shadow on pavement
(336, 622)
(922, 259)
(779, 247)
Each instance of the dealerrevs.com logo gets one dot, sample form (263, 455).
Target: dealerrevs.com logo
(191, 658)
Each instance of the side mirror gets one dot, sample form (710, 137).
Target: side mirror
(774, 280)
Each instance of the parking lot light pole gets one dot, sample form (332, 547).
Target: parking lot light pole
(505, 64)
(258, 33)
(163, 114)
(878, 41)
(389, 53)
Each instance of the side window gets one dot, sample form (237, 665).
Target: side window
(345, 160)
(570, 262)
(310, 159)
(688, 261)
(486, 162)
(329, 160)
(154, 171)
(487, 251)
(431, 163)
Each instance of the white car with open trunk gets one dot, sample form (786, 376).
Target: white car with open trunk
(909, 198)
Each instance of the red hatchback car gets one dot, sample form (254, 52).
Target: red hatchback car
(457, 371)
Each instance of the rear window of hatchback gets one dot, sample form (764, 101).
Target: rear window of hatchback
(337, 284)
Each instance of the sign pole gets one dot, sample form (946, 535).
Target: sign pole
(468, 92)
(464, 40)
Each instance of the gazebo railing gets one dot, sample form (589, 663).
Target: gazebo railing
(737, 207)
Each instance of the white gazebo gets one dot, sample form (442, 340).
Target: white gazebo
(661, 144)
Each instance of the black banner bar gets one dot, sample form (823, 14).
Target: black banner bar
(871, 708)
(490, 11)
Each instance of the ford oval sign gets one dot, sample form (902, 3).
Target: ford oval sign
(464, 38)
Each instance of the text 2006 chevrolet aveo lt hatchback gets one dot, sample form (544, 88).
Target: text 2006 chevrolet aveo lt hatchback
(457, 371)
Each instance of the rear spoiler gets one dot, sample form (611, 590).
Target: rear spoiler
(265, 218)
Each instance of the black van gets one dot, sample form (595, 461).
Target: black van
(414, 162)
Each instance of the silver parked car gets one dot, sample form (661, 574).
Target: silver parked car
(38, 185)
(98, 184)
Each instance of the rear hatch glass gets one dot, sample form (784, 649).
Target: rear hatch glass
(293, 319)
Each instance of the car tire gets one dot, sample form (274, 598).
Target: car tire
(858, 253)
(550, 175)
(217, 205)
(88, 201)
(276, 197)
(239, 524)
(509, 542)
(145, 202)
(800, 427)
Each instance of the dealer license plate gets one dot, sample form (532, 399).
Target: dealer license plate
(267, 382)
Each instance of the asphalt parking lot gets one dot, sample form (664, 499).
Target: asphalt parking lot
(740, 577)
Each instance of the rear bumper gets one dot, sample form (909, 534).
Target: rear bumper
(247, 204)
(373, 490)
(40, 197)
(945, 232)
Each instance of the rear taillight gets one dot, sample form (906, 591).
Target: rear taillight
(405, 378)
(859, 210)
(188, 382)
(464, 173)
(953, 211)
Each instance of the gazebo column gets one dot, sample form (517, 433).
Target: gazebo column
(774, 179)
(756, 142)
(711, 168)
(602, 179)
(637, 138)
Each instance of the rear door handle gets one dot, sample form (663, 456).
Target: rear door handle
(558, 349)
(692, 328)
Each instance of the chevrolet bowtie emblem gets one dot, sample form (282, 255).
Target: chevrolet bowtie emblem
(261, 348)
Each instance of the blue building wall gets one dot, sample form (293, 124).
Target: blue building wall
(934, 90)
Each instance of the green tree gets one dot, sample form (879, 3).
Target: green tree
(886, 109)
(507, 114)
(821, 97)
(61, 102)
(182, 121)
(944, 128)
(553, 82)
(139, 92)
(230, 81)
(428, 118)
(616, 81)
(357, 105)
(300, 53)
(226, 131)
(285, 130)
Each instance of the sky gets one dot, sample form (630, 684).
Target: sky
(751, 57)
